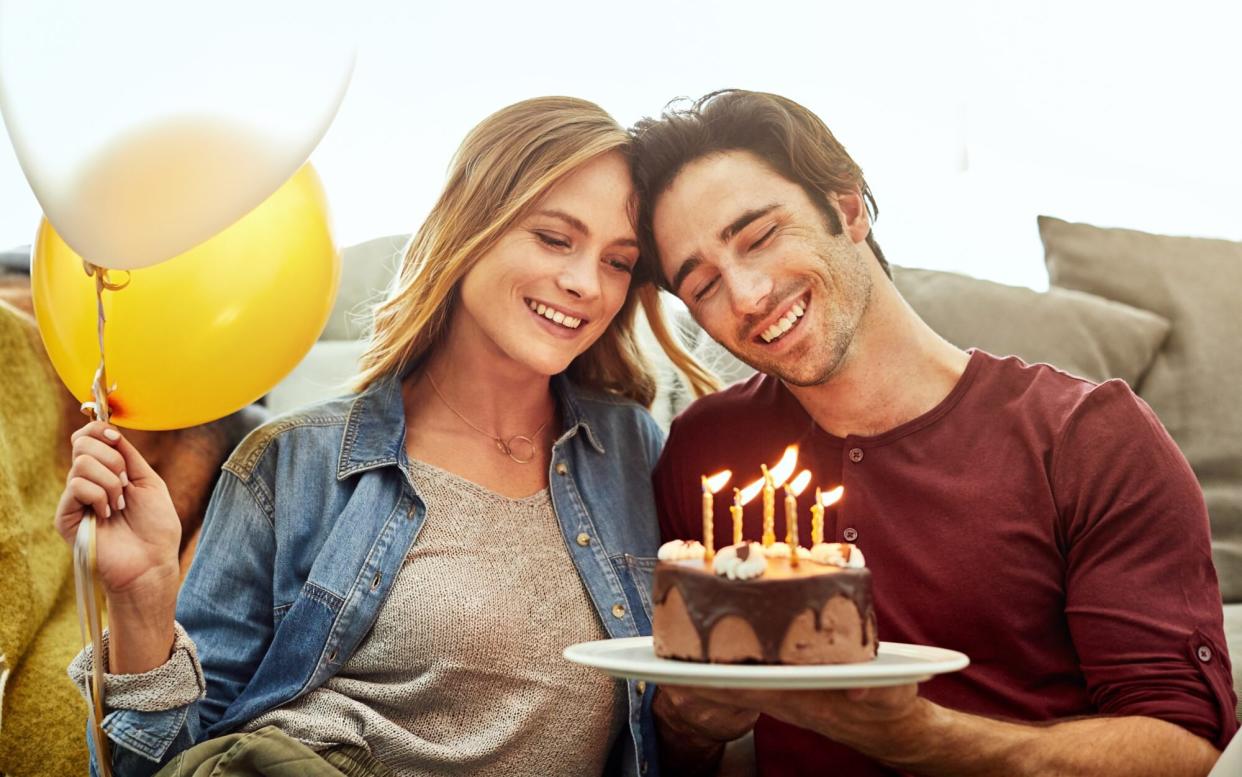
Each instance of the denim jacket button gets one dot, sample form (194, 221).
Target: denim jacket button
(561, 468)
(640, 687)
(618, 610)
(584, 539)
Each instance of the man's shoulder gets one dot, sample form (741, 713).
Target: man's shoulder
(1042, 389)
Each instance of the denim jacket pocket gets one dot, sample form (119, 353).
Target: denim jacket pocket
(637, 581)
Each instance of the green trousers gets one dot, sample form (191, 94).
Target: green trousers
(270, 752)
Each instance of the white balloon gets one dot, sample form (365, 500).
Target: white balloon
(146, 127)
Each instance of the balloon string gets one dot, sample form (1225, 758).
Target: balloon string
(99, 387)
(88, 592)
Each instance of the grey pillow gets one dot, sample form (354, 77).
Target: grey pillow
(366, 271)
(1080, 333)
(1193, 382)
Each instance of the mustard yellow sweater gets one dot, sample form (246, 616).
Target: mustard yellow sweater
(42, 728)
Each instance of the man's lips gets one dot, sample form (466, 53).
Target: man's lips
(783, 321)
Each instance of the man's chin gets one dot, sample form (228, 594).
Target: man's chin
(801, 370)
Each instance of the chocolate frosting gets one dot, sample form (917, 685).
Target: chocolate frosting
(768, 605)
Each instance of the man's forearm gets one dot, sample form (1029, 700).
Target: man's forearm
(941, 742)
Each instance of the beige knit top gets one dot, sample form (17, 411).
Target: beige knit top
(462, 673)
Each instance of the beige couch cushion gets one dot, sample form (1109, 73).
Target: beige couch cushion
(1081, 333)
(1193, 382)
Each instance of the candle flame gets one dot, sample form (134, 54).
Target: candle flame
(832, 497)
(785, 467)
(800, 483)
(714, 483)
(750, 492)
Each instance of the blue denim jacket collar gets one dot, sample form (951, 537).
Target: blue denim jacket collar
(375, 429)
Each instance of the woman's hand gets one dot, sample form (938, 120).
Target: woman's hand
(138, 532)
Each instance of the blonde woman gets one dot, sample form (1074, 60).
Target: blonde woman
(385, 581)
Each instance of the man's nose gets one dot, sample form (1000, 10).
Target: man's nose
(580, 277)
(749, 290)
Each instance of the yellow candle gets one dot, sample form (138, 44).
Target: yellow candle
(708, 508)
(817, 519)
(791, 526)
(735, 510)
(769, 508)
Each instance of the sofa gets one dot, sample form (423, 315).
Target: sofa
(1152, 310)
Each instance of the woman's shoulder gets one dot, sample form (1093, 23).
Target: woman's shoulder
(314, 431)
(619, 419)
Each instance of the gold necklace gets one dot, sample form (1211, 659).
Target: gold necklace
(505, 446)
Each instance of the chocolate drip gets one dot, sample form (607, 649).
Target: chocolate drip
(769, 606)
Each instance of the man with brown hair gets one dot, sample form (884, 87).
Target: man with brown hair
(1045, 525)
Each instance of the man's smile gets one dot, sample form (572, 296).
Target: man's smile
(785, 321)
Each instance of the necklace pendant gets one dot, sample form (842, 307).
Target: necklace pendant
(525, 445)
(502, 447)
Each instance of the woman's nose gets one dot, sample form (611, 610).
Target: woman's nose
(580, 278)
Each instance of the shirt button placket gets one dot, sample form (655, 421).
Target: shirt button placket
(856, 455)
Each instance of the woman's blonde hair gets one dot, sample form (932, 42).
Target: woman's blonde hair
(502, 169)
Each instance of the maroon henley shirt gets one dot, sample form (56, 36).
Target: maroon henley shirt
(1046, 526)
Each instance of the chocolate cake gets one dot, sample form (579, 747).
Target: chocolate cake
(751, 605)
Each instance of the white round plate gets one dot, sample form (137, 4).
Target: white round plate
(634, 658)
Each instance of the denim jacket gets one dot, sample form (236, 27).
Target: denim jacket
(312, 519)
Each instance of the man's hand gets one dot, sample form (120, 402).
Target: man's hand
(862, 718)
(688, 711)
(898, 727)
(693, 729)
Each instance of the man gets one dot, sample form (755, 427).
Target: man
(1046, 526)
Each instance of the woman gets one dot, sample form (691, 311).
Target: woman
(389, 578)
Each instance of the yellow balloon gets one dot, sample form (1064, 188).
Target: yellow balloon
(205, 333)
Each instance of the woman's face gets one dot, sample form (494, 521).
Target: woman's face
(551, 285)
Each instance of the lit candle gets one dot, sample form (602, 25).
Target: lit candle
(792, 492)
(769, 508)
(774, 479)
(735, 512)
(710, 487)
(740, 500)
(817, 519)
(817, 511)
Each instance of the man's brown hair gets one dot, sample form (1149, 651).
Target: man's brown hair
(790, 139)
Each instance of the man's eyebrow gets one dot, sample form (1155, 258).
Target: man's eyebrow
(687, 267)
(741, 222)
(726, 234)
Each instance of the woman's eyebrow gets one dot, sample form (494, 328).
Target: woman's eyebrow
(572, 221)
(578, 225)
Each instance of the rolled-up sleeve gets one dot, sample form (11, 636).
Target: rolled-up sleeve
(1142, 597)
(175, 683)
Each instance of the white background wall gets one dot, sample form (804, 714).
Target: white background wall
(969, 118)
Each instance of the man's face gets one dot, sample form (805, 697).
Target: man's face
(750, 254)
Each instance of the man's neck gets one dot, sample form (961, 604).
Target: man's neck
(896, 369)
